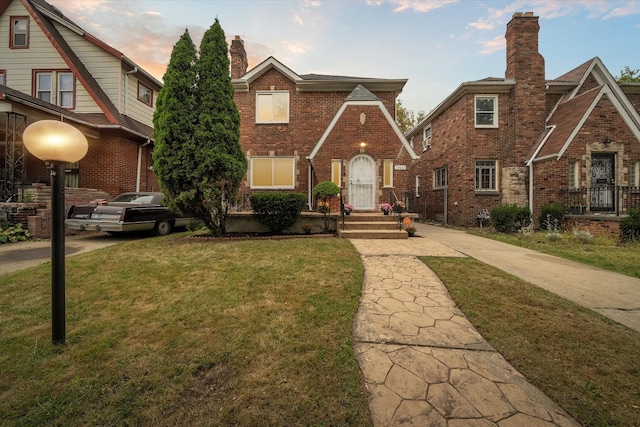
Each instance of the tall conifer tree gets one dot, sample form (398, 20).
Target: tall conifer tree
(197, 157)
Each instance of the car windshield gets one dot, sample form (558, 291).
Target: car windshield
(134, 198)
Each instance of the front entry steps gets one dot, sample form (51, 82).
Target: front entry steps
(372, 225)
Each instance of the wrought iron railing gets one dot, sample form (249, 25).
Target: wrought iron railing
(605, 199)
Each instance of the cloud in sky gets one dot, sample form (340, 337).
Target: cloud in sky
(447, 40)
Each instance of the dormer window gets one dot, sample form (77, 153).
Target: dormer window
(272, 107)
(426, 138)
(55, 87)
(145, 94)
(19, 32)
(486, 114)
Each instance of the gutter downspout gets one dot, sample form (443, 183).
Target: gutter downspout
(126, 88)
(138, 170)
(531, 189)
(309, 191)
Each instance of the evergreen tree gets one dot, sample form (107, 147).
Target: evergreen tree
(221, 162)
(197, 157)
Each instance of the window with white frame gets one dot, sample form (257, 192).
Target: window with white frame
(272, 107)
(574, 174)
(65, 90)
(387, 173)
(634, 174)
(486, 175)
(19, 32)
(336, 172)
(486, 111)
(145, 94)
(417, 185)
(44, 86)
(2, 77)
(273, 172)
(55, 87)
(426, 138)
(440, 177)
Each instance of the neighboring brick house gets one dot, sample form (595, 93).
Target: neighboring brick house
(50, 68)
(529, 141)
(298, 130)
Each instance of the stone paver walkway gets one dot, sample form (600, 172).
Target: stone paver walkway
(424, 364)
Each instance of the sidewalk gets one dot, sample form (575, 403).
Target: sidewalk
(21, 255)
(425, 365)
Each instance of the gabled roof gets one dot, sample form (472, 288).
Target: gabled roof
(572, 111)
(316, 82)
(362, 96)
(47, 16)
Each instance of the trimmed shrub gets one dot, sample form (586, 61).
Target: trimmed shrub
(510, 218)
(277, 211)
(551, 216)
(630, 226)
(325, 190)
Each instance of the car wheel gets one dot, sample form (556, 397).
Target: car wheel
(163, 228)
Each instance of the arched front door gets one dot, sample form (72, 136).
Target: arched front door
(362, 178)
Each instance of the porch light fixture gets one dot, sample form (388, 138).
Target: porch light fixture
(362, 146)
(57, 143)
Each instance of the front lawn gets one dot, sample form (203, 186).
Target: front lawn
(182, 331)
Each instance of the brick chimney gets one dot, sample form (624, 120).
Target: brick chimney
(239, 63)
(525, 65)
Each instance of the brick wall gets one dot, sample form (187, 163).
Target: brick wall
(310, 115)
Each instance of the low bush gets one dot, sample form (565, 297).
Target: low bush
(630, 226)
(14, 234)
(277, 211)
(510, 218)
(551, 216)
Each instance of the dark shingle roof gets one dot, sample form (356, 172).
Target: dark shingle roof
(361, 93)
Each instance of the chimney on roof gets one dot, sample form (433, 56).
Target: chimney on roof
(523, 57)
(239, 63)
(525, 65)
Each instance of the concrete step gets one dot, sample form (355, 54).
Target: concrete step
(373, 234)
(369, 225)
(369, 216)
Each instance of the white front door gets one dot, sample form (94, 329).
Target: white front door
(362, 178)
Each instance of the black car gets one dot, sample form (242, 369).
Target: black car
(140, 211)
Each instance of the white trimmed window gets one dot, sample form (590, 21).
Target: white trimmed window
(56, 87)
(574, 174)
(2, 77)
(486, 175)
(440, 178)
(44, 86)
(273, 172)
(387, 174)
(486, 111)
(417, 185)
(65, 90)
(145, 94)
(426, 138)
(272, 107)
(19, 32)
(336, 172)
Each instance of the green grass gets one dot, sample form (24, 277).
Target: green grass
(177, 331)
(600, 252)
(586, 363)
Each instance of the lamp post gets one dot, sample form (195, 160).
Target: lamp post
(57, 143)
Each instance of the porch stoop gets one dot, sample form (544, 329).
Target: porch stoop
(371, 225)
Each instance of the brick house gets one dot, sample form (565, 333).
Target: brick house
(50, 68)
(298, 130)
(529, 141)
